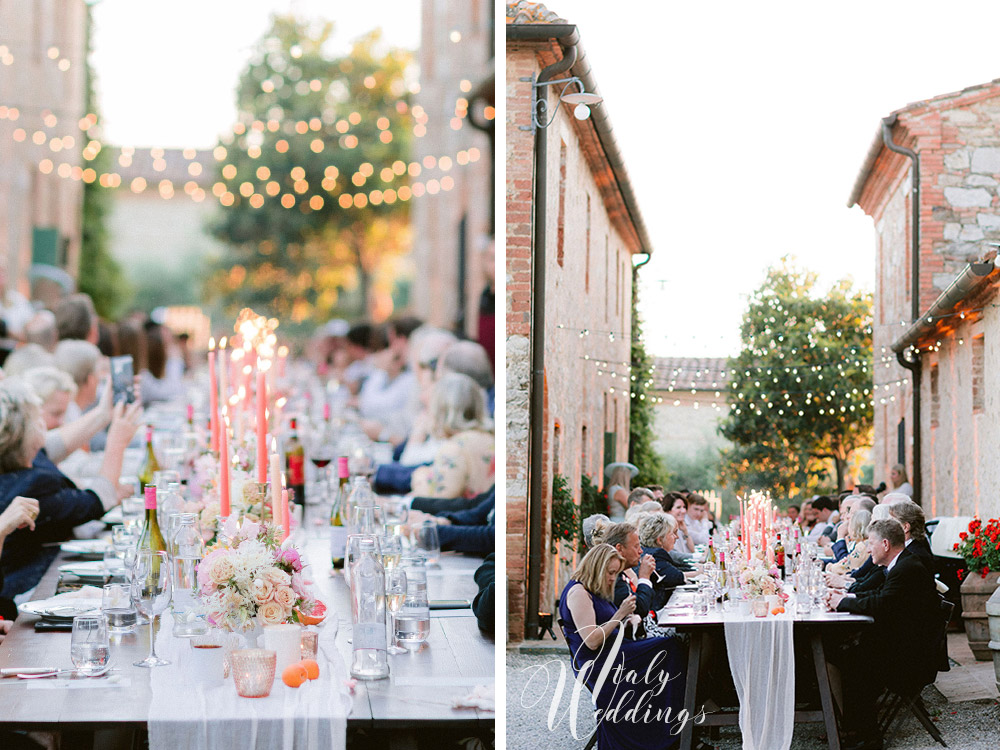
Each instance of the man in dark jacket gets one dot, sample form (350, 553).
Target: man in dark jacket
(899, 650)
(471, 530)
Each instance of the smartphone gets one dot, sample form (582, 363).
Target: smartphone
(122, 380)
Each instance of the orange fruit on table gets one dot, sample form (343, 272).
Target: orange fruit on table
(312, 668)
(315, 617)
(294, 674)
(778, 611)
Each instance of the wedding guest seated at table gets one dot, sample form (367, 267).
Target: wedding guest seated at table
(657, 535)
(807, 517)
(25, 357)
(634, 579)
(620, 476)
(55, 389)
(27, 470)
(823, 532)
(640, 510)
(911, 518)
(387, 399)
(20, 514)
(484, 604)
(469, 358)
(855, 545)
(361, 341)
(160, 382)
(464, 462)
(849, 506)
(41, 330)
(76, 318)
(679, 510)
(79, 359)
(646, 692)
(638, 496)
(588, 526)
(472, 530)
(699, 528)
(792, 511)
(899, 650)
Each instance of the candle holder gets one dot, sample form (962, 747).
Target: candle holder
(310, 643)
(253, 671)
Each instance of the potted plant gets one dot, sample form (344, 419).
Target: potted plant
(980, 548)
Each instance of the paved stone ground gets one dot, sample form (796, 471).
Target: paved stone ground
(971, 721)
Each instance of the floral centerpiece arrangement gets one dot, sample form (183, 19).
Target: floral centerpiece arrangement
(980, 546)
(757, 580)
(249, 580)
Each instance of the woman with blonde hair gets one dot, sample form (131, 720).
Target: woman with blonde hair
(592, 624)
(857, 547)
(464, 462)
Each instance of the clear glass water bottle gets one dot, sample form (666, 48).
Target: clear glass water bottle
(413, 619)
(363, 508)
(370, 660)
(187, 549)
(169, 501)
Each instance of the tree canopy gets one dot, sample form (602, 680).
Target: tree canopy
(801, 388)
(313, 181)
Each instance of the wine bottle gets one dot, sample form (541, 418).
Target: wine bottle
(779, 556)
(711, 552)
(151, 538)
(150, 465)
(338, 532)
(295, 464)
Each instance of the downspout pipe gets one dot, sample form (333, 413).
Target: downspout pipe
(536, 410)
(912, 365)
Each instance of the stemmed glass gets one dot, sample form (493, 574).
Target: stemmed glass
(392, 550)
(321, 453)
(151, 591)
(395, 511)
(395, 593)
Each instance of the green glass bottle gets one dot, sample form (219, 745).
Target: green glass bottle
(150, 465)
(151, 538)
(338, 532)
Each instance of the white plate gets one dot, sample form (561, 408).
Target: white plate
(84, 546)
(62, 607)
(113, 516)
(91, 569)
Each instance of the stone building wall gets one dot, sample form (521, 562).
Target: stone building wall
(38, 36)
(455, 55)
(685, 423)
(958, 143)
(588, 286)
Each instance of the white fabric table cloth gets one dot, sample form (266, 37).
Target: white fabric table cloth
(186, 714)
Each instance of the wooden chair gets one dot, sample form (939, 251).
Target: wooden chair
(895, 700)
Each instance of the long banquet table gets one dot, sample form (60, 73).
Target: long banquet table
(418, 695)
(810, 628)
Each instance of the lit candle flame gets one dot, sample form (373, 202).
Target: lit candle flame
(211, 344)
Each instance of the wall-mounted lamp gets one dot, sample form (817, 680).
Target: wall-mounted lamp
(539, 104)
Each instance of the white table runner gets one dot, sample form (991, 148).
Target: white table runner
(189, 715)
(762, 661)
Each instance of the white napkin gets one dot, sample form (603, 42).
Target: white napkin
(482, 697)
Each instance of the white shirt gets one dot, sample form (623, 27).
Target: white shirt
(699, 531)
(905, 488)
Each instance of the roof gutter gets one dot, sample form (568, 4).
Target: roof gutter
(911, 364)
(568, 36)
(967, 282)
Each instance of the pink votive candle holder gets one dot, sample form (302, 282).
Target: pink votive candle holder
(310, 644)
(253, 671)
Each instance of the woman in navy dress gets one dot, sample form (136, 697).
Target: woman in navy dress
(636, 704)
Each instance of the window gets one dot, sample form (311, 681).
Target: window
(978, 374)
(561, 219)
(935, 396)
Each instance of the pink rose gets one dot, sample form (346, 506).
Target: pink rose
(271, 613)
(277, 577)
(222, 570)
(284, 596)
(261, 590)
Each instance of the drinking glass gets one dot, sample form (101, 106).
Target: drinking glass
(412, 622)
(426, 542)
(392, 550)
(116, 604)
(151, 592)
(90, 648)
(133, 509)
(395, 593)
(124, 540)
(395, 511)
(701, 601)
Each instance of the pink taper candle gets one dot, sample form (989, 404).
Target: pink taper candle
(261, 427)
(275, 483)
(224, 469)
(213, 398)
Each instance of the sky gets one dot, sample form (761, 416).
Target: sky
(743, 127)
(167, 72)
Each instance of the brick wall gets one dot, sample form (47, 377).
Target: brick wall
(588, 290)
(959, 147)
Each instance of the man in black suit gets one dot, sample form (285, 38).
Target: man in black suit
(899, 649)
(911, 518)
(624, 538)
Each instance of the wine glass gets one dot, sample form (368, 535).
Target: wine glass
(90, 647)
(151, 591)
(426, 542)
(395, 510)
(395, 592)
(392, 550)
(321, 453)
